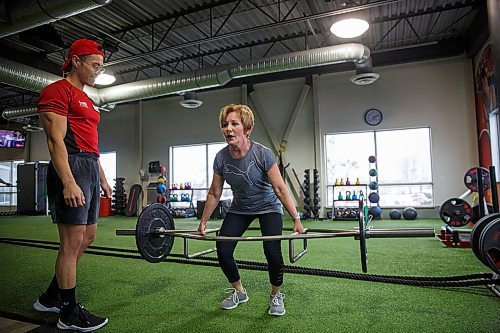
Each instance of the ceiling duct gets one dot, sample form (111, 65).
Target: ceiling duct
(364, 73)
(190, 100)
(220, 75)
(19, 112)
(342, 53)
(31, 110)
(164, 85)
(35, 80)
(27, 14)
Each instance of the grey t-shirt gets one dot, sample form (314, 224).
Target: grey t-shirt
(247, 176)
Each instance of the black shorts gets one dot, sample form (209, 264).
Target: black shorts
(86, 173)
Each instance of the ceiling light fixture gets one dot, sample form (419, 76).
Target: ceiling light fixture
(33, 125)
(349, 28)
(105, 79)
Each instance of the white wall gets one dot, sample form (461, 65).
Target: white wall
(437, 93)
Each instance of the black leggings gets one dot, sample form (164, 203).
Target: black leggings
(234, 225)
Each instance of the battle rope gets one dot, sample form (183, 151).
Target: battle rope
(478, 279)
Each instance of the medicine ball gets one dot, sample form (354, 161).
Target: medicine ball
(410, 213)
(376, 211)
(372, 159)
(161, 188)
(374, 197)
(395, 214)
(373, 172)
(373, 185)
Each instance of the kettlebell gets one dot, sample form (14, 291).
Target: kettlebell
(354, 196)
(348, 195)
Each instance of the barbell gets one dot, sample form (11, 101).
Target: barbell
(155, 233)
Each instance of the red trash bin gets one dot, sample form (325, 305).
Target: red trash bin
(105, 207)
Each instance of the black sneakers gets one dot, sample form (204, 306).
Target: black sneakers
(79, 319)
(46, 304)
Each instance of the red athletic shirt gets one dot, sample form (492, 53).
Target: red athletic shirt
(83, 116)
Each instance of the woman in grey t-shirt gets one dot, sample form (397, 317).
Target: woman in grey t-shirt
(258, 192)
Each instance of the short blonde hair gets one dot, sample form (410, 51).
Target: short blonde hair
(242, 110)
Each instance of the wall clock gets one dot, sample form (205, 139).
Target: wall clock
(373, 117)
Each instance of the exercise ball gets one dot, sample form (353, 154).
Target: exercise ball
(161, 189)
(410, 213)
(395, 214)
(161, 180)
(375, 211)
(373, 197)
(163, 169)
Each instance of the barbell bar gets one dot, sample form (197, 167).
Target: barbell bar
(155, 233)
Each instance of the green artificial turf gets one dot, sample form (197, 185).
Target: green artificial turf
(172, 297)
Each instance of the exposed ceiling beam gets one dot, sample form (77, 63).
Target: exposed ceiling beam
(218, 51)
(162, 18)
(257, 28)
(467, 3)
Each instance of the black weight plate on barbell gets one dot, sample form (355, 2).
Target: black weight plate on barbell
(455, 212)
(152, 247)
(470, 179)
(362, 240)
(490, 245)
(475, 237)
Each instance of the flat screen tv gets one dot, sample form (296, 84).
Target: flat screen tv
(12, 139)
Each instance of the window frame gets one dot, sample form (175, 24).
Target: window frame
(12, 202)
(374, 132)
(202, 191)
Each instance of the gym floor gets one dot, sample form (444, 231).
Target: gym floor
(172, 296)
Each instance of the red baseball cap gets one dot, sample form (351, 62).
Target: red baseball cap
(81, 47)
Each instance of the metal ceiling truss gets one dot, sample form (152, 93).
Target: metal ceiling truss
(194, 34)
(220, 52)
(213, 37)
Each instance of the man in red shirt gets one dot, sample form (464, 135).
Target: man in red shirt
(70, 118)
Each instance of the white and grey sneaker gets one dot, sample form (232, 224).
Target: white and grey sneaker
(234, 299)
(45, 304)
(276, 304)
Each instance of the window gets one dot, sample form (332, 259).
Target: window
(8, 172)
(194, 164)
(404, 173)
(108, 164)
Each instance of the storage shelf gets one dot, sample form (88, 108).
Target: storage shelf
(347, 185)
(353, 205)
(357, 201)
